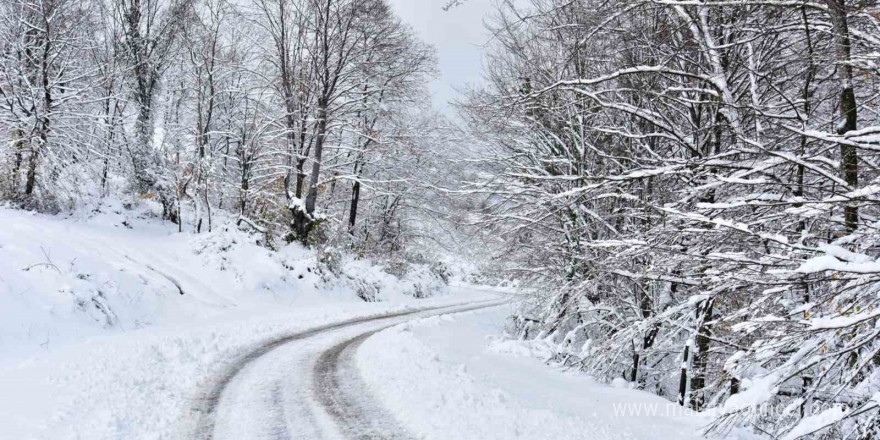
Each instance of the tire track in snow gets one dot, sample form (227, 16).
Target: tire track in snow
(282, 430)
(340, 392)
(206, 407)
(346, 400)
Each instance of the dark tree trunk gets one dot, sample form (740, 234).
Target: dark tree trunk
(355, 198)
(701, 356)
(683, 378)
(44, 123)
(18, 148)
(312, 197)
(303, 218)
(806, 95)
(300, 177)
(32, 171)
(849, 156)
(34, 159)
(646, 306)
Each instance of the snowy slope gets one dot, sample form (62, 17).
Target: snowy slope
(450, 377)
(113, 269)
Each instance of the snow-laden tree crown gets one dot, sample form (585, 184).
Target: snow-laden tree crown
(697, 182)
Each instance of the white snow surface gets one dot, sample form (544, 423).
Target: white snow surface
(97, 342)
(451, 377)
(143, 384)
(112, 269)
(817, 422)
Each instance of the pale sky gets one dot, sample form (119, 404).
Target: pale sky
(457, 34)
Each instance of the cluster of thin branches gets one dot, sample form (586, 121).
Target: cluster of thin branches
(698, 180)
(305, 118)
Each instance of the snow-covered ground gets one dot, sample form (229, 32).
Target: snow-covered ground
(112, 322)
(113, 269)
(115, 326)
(452, 377)
(143, 384)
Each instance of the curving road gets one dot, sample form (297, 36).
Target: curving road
(305, 386)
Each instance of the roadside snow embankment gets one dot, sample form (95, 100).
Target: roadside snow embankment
(115, 269)
(450, 377)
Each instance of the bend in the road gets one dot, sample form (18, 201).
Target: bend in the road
(206, 408)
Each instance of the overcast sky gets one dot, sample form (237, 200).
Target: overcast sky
(458, 35)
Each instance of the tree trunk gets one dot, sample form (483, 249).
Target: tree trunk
(32, 171)
(140, 156)
(701, 356)
(645, 304)
(300, 176)
(806, 95)
(849, 158)
(303, 221)
(44, 123)
(312, 197)
(18, 148)
(208, 207)
(244, 188)
(36, 150)
(355, 198)
(683, 378)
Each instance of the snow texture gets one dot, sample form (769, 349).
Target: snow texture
(112, 324)
(450, 377)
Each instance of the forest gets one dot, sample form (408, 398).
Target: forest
(686, 190)
(698, 181)
(285, 113)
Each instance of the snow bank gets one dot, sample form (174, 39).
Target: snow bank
(117, 268)
(533, 348)
(450, 377)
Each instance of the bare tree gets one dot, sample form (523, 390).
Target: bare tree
(41, 76)
(149, 32)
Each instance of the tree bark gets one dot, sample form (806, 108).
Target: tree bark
(701, 356)
(31, 181)
(18, 149)
(645, 304)
(683, 378)
(849, 159)
(355, 198)
(304, 221)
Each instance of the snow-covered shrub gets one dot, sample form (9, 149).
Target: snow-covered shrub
(219, 246)
(442, 271)
(331, 258)
(232, 249)
(425, 280)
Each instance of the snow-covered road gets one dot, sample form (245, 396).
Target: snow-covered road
(429, 370)
(150, 384)
(304, 386)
